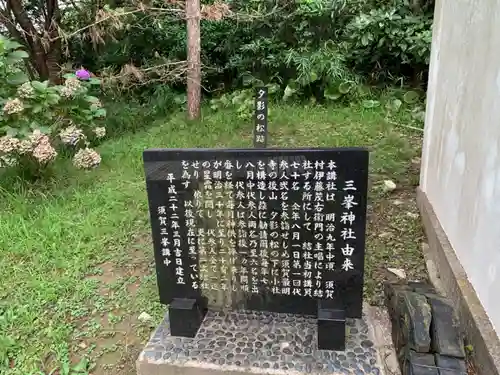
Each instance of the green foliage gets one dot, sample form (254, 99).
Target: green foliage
(241, 101)
(11, 64)
(135, 111)
(403, 105)
(294, 45)
(7, 347)
(324, 70)
(39, 118)
(81, 368)
(66, 368)
(389, 37)
(312, 46)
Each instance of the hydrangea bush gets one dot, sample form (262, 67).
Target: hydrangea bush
(41, 121)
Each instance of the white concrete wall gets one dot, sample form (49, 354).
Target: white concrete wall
(461, 153)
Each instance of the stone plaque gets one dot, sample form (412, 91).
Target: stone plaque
(269, 230)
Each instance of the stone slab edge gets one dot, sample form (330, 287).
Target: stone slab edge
(454, 282)
(380, 330)
(202, 368)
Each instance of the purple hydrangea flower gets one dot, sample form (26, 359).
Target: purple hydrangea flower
(83, 74)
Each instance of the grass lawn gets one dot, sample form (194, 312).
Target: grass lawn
(76, 260)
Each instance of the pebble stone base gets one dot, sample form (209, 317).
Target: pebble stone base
(260, 342)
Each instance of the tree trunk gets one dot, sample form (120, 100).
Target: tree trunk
(44, 54)
(53, 52)
(30, 34)
(52, 61)
(194, 59)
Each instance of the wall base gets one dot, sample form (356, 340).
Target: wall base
(453, 281)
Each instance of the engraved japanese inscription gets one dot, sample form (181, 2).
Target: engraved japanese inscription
(261, 112)
(273, 230)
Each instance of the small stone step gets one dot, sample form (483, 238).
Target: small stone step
(445, 333)
(419, 364)
(422, 288)
(414, 321)
(450, 365)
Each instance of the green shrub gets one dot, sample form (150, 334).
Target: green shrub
(389, 41)
(242, 101)
(40, 121)
(311, 45)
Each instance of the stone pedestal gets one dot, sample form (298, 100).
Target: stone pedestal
(258, 343)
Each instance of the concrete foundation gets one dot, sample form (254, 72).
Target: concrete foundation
(449, 276)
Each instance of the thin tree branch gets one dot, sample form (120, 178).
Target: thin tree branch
(406, 126)
(82, 29)
(76, 7)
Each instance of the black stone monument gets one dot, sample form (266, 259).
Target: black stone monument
(281, 230)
